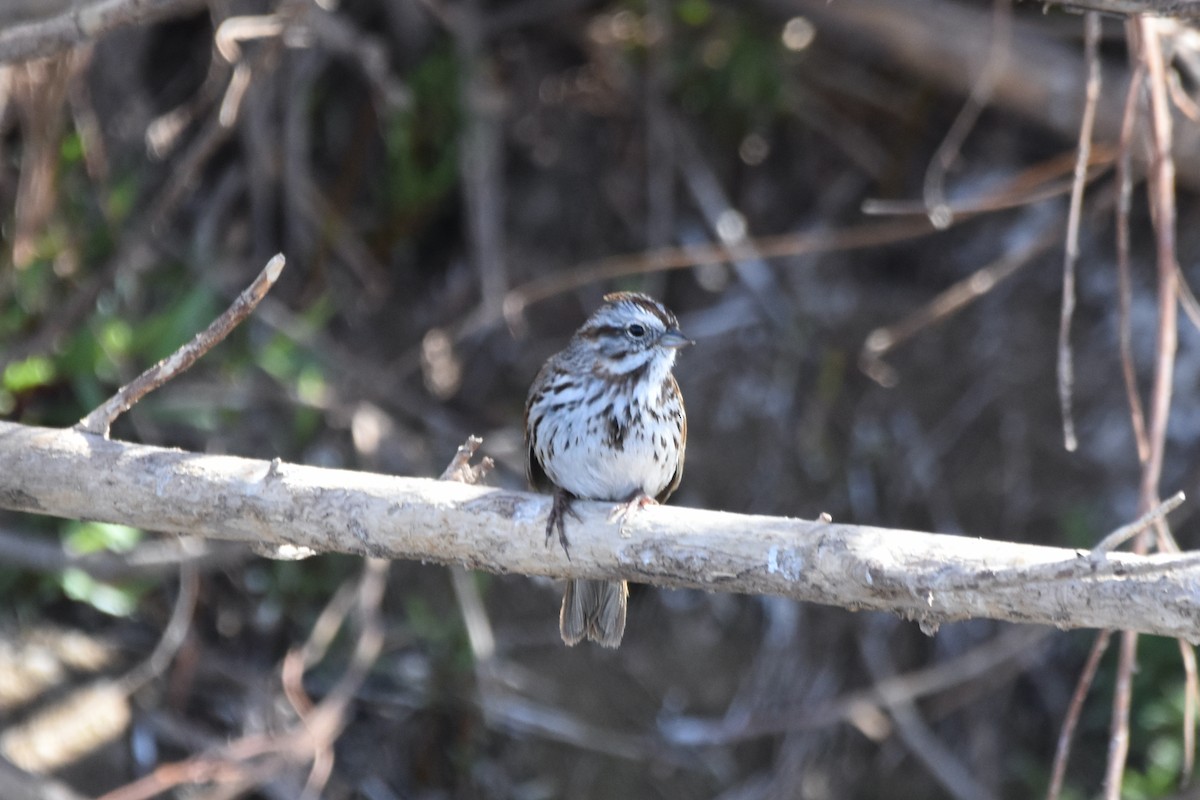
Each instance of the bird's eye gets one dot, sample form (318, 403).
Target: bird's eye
(635, 330)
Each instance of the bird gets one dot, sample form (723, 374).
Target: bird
(605, 420)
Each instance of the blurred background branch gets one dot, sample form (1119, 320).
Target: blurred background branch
(44, 27)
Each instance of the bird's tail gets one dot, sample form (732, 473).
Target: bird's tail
(594, 610)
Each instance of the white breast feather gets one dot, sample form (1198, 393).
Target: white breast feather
(585, 464)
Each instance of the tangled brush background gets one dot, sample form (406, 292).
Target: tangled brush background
(455, 185)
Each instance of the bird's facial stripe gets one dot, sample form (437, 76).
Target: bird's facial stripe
(647, 304)
(623, 363)
(593, 332)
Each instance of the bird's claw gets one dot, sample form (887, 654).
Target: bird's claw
(557, 520)
(624, 511)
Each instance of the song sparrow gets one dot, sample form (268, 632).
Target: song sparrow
(604, 420)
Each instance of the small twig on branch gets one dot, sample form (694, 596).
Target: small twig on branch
(460, 468)
(1127, 532)
(101, 419)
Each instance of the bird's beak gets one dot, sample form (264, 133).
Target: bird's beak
(674, 339)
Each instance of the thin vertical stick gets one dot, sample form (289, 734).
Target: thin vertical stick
(1062, 752)
(1161, 187)
(1162, 201)
(1066, 369)
(1124, 282)
(1191, 698)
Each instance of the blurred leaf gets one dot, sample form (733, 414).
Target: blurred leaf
(310, 385)
(92, 537)
(422, 141)
(117, 601)
(307, 423)
(121, 198)
(693, 12)
(71, 149)
(35, 371)
(278, 358)
(115, 337)
(318, 577)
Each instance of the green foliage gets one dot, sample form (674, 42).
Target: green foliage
(161, 334)
(448, 643)
(295, 584)
(1078, 527)
(693, 12)
(728, 69)
(81, 230)
(117, 601)
(21, 376)
(421, 141)
(1156, 726)
(91, 537)
(295, 367)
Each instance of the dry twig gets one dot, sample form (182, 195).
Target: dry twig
(1018, 644)
(977, 100)
(950, 301)
(1062, 750)
(149, 560)
(1066, 369)
(101, 419)
(920, 740)
(1161, 186)
(1124, 281)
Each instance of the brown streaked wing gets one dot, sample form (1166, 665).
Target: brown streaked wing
(534, 473)
(678, 476)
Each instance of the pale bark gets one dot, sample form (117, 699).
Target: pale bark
(61, 25)
(928, 577)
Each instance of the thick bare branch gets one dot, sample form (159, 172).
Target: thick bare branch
(82, 22)
(1160, 8)
(927, 577)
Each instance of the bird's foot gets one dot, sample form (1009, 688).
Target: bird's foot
(558, 518)
(622, 513)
